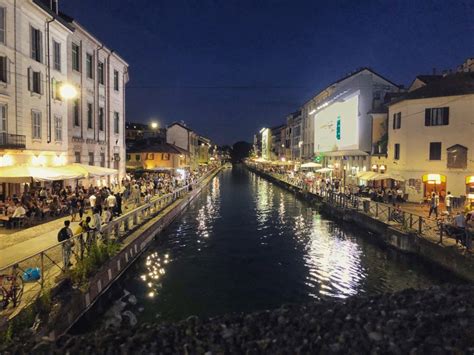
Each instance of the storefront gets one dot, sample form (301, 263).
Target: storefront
(434, 183)
(470, 190)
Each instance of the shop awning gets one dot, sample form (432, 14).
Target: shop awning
(366, 175)
(23, 174)
(91, 170)
(392, 176)
(324, 170)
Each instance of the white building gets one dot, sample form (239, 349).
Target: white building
(96, 116)
(185, 138)
(342, 126)
(36, 57)
(431, 137)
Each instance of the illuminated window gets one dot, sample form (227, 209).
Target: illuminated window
(150, 156)
(165, 156)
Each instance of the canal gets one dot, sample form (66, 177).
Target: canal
(245, 244)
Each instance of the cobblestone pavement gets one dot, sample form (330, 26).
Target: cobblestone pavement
(439, 320)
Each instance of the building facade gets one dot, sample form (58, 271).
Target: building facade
(41, 49)
(185, 138)
(430, 139)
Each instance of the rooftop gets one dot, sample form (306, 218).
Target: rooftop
(449, 85)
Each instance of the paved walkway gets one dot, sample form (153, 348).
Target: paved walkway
(15, 246)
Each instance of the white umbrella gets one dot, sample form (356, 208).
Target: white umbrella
(386, 176)
(311, 165)
(324, 170)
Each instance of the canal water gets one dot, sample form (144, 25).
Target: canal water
(245, 244)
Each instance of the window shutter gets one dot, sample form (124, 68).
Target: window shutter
(30, 79)
(393, 123)
(446, 115)
(41, 83)
(427, 117)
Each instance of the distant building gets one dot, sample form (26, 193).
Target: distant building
(185, 138)
(156, 156)
(136, 131)
(277, 144)
(294, 123)
(205, 150)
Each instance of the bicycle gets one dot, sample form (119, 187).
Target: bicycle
(11, 289)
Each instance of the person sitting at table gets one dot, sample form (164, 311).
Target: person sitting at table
(18, 214)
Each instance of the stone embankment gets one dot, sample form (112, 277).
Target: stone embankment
(439, 320)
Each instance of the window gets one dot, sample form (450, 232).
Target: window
(128, 157)
(36, 120)
(102, 160)
(89, 66)
(437, 116)
(89, 115)
(55, 89)
(58, 128)
(91, 158)
(76, 57)
(116, 161)
(75, 112)
(36, 44)
(57, 56)
(457, 157)
(100, 73)
(3, 119)
(3, 24)
(150, 156)
(3, 68)
(116, 80)
(137, 157)
(116, 123)
(34, 81)
(165, 156)
(77, 157)
(101, 118)
(396, 151)
(435, 151)
(397, 120)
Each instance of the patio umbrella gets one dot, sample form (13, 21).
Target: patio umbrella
(23, 174)
(324, 170)
(392, 176)
(311, 165)
(91, 170)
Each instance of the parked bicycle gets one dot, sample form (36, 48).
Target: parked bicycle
(11, 289)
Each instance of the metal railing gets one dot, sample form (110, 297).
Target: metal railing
(8, 140)
(51, 261)
(389, 214)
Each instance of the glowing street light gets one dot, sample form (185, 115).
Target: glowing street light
(154, 125)
(68, 91)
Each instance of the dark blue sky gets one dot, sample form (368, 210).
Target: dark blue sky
(228, 67)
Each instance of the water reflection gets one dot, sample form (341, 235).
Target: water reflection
(244, 244)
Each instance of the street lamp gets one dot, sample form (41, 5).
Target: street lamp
(67, 91)
(154, 125)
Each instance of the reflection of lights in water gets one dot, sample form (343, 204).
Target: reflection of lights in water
(209, 211)
(155, 270)
(264, 201)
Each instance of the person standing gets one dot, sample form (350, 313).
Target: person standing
(449, 202)
(434, 203)
(64, 236)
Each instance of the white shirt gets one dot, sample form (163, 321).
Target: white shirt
(92, 199)
(19, 212)
(111, 201)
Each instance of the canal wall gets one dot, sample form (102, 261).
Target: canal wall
(76, 302)
(447, 257)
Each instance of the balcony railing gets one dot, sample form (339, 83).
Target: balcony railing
(12, 141)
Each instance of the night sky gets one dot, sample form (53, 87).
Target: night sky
(228, 68)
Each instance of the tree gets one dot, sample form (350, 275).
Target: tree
(240, 151)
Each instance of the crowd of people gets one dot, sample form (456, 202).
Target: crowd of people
(455, 222)
(106, 204)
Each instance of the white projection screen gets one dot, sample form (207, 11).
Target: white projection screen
(326, 137)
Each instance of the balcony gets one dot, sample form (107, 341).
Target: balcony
(12, 141)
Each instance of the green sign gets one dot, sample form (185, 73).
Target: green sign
(338, 128)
